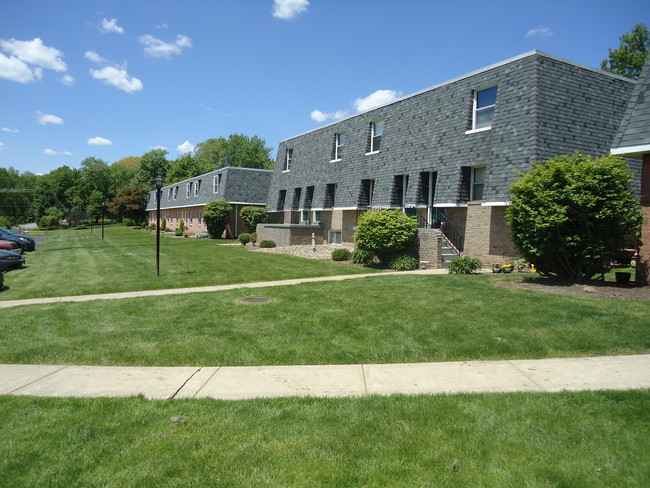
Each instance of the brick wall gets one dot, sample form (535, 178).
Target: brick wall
(488, 236)
(643, 267)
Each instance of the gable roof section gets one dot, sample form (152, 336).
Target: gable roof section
(633, 137)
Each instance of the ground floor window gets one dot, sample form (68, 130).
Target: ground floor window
(304, 216)
(317, 216)
(334, 237)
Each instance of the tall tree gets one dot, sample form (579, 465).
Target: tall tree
(153, 163)
(238, 150)
(629, 58)
(55, 189)
(186, 166)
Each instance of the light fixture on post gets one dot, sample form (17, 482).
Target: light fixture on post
(159, 183)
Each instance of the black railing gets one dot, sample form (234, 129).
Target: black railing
(438, 221)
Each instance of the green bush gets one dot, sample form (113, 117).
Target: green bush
(80, 227)
(465, 265)
(152, 226)
(244, 238)
(267, 244)
(5, 221)
(341, 255)
(570, 213)
(253, 238)
(216, 217)
(178, 232)
(52, 218)
(361, 256)
(386, 233)
(253, 216)
(181, 226)
(404, 262)
(163, 224)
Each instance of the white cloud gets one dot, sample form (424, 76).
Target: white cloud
(380, 97)
(94, 57)
(156, 48)
(118, 78)
(52, 152)
(2, 146)
(319, 116)
(35, 52)
(288, 9)
(539, 32)
(186, 147)
(45, 119)
(67, 80)
(11, 131)
(100, 141)
(12, 68)
(110, 27)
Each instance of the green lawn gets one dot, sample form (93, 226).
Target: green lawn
(381, 319)
(78, 262)
(587, 439)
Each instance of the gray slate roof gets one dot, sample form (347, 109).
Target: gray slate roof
(635, 127)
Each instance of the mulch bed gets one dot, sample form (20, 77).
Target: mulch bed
(593, 288)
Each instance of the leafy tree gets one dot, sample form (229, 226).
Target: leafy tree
(130, 203)
(128, 162)
(15, 194)
(55, 189)
(123, 176)
(253, 216)
(216, 217)
(570, 213)
(184, 167)
(95, 178)
(385, 233)
(629, 58)
(238, 150)
(153, 163)
(95, 203)
(51, 218)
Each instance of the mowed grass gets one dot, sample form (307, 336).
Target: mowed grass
(383, 319)
(587, 439)
(78, 262)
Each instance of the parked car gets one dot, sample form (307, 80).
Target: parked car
(10, 260)
(9, 246)
(25, 243)
(2, 279)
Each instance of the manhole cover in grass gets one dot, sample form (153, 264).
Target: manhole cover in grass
(255, 299)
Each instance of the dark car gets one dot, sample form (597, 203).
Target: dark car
(9, 246)
(2, 279)
(10, 260)
(25, 243)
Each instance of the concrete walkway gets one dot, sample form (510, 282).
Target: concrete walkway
(203, 289)
(238, 383)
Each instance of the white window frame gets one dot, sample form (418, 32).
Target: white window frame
(339, 145)
(288, 160)
(374, 135)
(332, 235)
(200, 224)
(188, 189)
(304, 216)
(476, 110)
(317, 216)
(175, 192)
(473, 182)
(170, 192)
(216, 183)
(197, 186)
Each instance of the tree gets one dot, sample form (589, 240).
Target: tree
(184, 167)
(238, 150)
(216, 217)
(385, 233)
(570, 213)
(130, 203)
(95, 178)
(55, 189)
(629, 58)
(153, 163)
(251, 216)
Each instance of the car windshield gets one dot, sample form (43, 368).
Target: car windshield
(5, 231)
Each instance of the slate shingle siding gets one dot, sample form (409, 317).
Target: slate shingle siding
(635, 127)
(238, 185)
(545, 107)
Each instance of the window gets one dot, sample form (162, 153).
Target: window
(282, 196)
(191, 217)
(484, 104)
(376, 131)
(334, 237)
(216, 183)
(426, 190)
(295, 204)
(200, 218)
(288, 158)
(317, 216)
(309, 197)
(339, 142)
(330, 195)
(367, 193)
(400, 187)
(175, 192)
(304, 216)
(189, 189)
(478, 181)
(170, 193)
(197, 187)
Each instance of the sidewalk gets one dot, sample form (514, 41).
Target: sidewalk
(204, 289)
(248, 382)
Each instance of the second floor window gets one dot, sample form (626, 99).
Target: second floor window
(376, 132)
(197, 187)
(339, 142)
(288, 159)
(190, 185)
(478, 182)
(484, 104)
(216, 183)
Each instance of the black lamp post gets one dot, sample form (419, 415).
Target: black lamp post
(159, 184)
(103, 208)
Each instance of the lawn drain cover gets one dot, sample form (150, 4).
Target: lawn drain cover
(255, 299)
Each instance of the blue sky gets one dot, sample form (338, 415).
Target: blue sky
(111, 79)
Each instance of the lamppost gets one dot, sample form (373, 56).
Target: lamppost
(103, 208)
(159, 184)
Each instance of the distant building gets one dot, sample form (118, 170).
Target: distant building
(187, 199)
(446, 155)
(633, 141)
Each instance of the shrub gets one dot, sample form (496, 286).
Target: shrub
(253, 216)
(52, 217)
(152, 226)
(80, 227)
(341, 255)
(128, 222)
(5, 221)
(253, 238)
(244, 238)
(465, 265)
(267, 244)
(163, 224)
(216, 217)
(202, 235)
(178, 232)
(570, 213)
(385, 233)
(361, 256)
(404, 262)
(181, 226)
